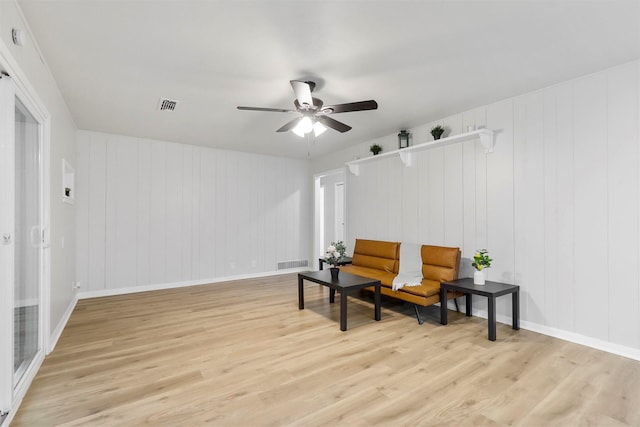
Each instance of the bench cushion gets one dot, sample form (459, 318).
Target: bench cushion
(385, 277)
(428, 288)
(440, 263)
(377, 254)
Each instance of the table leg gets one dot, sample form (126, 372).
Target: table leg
(376, 301)
(343, 311)
(443, 306)
(332, 295)
(492, 318)
(515, 309)
(468, 299)
(300, 294)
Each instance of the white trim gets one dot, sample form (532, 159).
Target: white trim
(7, 185)
(629, 352)
(318, 211)
(162, 286)
(57, 332)
(609, 347)
(28, 378)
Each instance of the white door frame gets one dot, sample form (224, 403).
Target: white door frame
(12, 87)
(318, 209)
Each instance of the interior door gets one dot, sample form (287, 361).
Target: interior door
(21, 219)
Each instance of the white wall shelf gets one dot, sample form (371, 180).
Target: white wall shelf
(406, 154)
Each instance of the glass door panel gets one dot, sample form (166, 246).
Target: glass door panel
(28, 238)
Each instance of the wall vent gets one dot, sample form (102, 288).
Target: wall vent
(167, 104)
(283, 265)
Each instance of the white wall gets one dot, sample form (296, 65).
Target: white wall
(157, 213)
(37, 76)
(556, 204)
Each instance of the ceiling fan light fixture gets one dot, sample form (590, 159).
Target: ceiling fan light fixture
(303, 127)
(298, 132)
(318, 129)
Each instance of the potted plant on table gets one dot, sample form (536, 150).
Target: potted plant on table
(334, 256)
(437, 132)
(481, 261)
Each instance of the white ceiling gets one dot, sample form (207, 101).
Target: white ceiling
(420, 60)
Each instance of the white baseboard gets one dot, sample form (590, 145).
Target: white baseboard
(621, 350)
(55, 335)
(609, 347)
(21, 391)
(161, 286)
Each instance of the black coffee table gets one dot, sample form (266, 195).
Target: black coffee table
(346, 283)
(491, 290)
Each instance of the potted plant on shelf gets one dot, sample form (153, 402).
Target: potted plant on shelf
(375, 149)
(437, 132)
(334, 256)
(481, 261)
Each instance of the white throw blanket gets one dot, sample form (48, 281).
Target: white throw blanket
(410, 273)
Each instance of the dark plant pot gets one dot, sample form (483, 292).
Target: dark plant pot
(437, 135)
(334, 273)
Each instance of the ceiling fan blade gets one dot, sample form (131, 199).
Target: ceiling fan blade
(277, 110)
(303, 92)
(351, 106)
(289, 125)
(333, 124)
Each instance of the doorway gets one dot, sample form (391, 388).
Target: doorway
(22, 232)
(329, 210)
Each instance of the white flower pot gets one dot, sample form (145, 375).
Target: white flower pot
(478, 277)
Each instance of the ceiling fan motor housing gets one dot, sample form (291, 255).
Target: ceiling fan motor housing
(317, 104)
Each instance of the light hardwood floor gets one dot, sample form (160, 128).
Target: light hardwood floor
(240, 353)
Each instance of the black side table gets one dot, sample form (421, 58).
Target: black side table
(346, 260)
(491, 290)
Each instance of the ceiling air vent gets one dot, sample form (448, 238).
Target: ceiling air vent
(167, 104)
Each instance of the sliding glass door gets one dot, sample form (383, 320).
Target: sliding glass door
(21, 219)
(28, 242)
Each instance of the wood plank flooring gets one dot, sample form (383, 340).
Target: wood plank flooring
(240, 353)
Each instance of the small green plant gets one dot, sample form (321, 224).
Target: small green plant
(437, 131)
(481, 259)
(375, 149)
(335, 253)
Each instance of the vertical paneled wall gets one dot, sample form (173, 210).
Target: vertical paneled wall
(556, 204)
(153, 212)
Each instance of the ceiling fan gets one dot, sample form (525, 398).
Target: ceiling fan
(314, 115)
